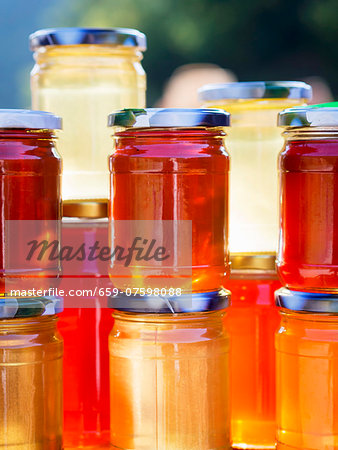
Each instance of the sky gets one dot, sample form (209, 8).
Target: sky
(19, 18)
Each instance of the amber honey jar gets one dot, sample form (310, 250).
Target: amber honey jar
(169, 170)
(31, 352)
(169, 374)
(307, 362)
(30, 181)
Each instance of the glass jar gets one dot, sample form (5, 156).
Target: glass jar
(308, 165)
(169, 169)
(30, 193)
(85, 325)
(254, 142)
(83, 74)
(252, 320)
(31, 377)
(307, 362)
(169, 381)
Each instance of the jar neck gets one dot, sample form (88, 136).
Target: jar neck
(84, 54)
(37, 324)
(254, 104)
(192, 319)
(288, 315)
(309, 133)
(174, 133)
(24, 133)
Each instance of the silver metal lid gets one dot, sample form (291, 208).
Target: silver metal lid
(20, 307)
(126, 37)
(27, 119)
(255, 89)
(208, 301)
(169, 117)
(307, 301)
(309, 116)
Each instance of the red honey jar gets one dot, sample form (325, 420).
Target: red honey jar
(252, 320)
(30, 172)
(170, 166)
(308, 166)
(85, 325)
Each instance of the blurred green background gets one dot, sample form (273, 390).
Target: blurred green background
(256, 39)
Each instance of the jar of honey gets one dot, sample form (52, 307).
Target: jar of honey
(308, 164)
(31, 375)
(169, 186)
(254, 142)
(85, 325)
(169, 380)
(307, 361)
(83, 74)
(251, 321)
(31, 198)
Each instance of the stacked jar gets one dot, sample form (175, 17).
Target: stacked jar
(30, 346)
(30, 166)
(84, 73)
(254, 142)
(307, 342)
(31, 374)
(85, 325)
(168, 347)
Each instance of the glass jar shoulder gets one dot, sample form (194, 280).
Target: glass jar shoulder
(309, 151)
(180, 332)
(173, 148)
(29, 152)
(255, 112)
(36, 334)
(308, 335)
(85, 62)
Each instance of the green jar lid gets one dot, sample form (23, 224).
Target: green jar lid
(19, 307)
(322, 116)
(169, 117)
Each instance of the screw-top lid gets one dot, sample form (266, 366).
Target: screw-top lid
(19, 307)
(255, 89)
(89, 209)
(309, 116)
(169, 117)
(126, 37)
(27, 119)
(307, 301)
(207, 301)
(252, 261)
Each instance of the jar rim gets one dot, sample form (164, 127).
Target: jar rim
(127, 37)
(89, 209)
(185, 303)
(167, 317)
(256, 89)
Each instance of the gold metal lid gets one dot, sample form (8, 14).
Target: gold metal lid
(89, 209)
(253, 261)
